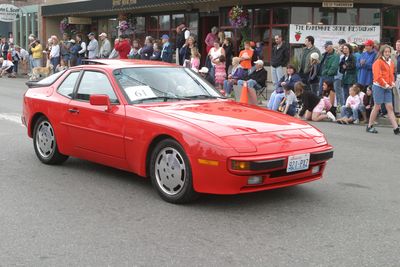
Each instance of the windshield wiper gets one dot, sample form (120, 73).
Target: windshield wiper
(165, 98)
(204, 97)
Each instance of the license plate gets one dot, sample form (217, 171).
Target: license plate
(298, 162)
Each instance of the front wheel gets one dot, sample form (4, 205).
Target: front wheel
(45, 144)
(171, 174)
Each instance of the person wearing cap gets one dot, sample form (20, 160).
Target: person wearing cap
(93, 46)
(166, 51)
(204, 72)
(279, 59)
(329, 65)
(305, 63)
(105, 48)
(288, 80)
(122, 46)
(383, 84)
(364, 64)
(255, 81)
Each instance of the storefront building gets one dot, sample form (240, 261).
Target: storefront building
(264, 21)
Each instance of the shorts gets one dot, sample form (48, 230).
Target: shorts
(382, 95)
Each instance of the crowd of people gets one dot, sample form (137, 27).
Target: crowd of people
(357, 81)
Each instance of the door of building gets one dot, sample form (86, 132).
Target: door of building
(206, 23)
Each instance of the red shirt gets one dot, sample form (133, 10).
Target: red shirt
(123, 47)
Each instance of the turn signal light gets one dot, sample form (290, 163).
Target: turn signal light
(240, 165)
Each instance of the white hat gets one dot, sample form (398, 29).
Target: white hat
(103, 34)
(259, 62)
(203, 70)
(72, 41)
(314, 56)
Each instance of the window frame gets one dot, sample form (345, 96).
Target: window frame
(78, 84)
(75, 85)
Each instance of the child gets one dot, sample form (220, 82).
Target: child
(195, 59)
(368, 102)
(258, 51)
(290, 102)
(156, 52)
(220, 73)
(329, 92)
(135, 50)
(62, 66)
(349, 112)
(326, 103)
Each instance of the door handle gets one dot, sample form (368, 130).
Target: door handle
(73, 110)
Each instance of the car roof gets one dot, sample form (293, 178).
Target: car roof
(121, 63)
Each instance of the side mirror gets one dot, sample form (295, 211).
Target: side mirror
(100, 100)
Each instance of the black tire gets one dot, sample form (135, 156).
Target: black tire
(45, 144)
(170, 154)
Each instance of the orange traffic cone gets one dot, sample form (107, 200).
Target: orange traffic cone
(244, 97)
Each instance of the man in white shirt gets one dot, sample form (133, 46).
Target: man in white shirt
(6, 67)
(93, 46)
(55, 52)
(105, 48)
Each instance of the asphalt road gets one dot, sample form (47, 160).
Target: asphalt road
(83, 214)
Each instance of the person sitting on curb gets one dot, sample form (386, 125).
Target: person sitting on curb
(255, 81)
(6, 67)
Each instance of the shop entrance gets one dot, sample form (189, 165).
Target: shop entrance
(206, 23)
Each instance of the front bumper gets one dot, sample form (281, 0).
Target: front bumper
(272, 169)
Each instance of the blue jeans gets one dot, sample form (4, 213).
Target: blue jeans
(277, 74)
(347, 112)
(314, 88)
(340, 98)
(36, 62)
(250, 84)
(292, 110)
(321, 81)
(55, 61)
(275, 100)
(228, 85)
(346, 88)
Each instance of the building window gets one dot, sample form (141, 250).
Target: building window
(390, 17)
(280, 16)
(346, 16)
(369, 16)
(301, 15)
(325, 16)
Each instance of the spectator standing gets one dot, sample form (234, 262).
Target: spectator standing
(31, 40)
(55, 52)
(166, 52)
(329, 64)
(287, 80)
(255, 81)
(195, 59)
(220, 73)
(347, 67)
(383, 69)
(313, 78)
(156, 52)
(105, 48)
(364, 64)
(147, 49)
(37, 53)
(182, 35)
(186, 51)
(82, 52)
(24, 56)
(4, 46)
(246, 55)
(211, 38)
(135, 50)
(228, 48)
(123, 47)
(93, 46)
(305, 63)
(65, 49)
(279, 59)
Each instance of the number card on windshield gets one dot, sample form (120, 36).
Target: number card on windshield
(139, 92)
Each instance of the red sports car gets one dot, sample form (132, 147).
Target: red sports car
(165, 122)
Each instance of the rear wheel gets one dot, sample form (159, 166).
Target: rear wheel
(171, 174)
(45, 144)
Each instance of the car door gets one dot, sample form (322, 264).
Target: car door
(95, 129)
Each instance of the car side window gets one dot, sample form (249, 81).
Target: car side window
(95, 83)
(67, 86)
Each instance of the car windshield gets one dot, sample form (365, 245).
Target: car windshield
(160, 84)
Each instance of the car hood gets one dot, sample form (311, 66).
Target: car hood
(228, 118)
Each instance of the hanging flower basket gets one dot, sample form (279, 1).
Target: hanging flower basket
(65, 27)
(238, 17)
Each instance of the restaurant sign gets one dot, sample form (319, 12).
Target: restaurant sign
(8, 13)
(322, 33)
(123, 3)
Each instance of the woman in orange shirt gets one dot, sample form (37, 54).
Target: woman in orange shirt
(246, 55)
(383, 72)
